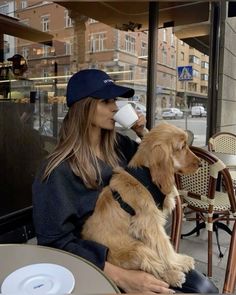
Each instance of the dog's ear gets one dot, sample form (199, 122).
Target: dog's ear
(161, 167)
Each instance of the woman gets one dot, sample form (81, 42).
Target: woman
(66, 190)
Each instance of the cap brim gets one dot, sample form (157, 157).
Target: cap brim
(111, 91)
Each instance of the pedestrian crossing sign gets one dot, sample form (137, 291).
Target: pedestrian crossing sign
(185, 73)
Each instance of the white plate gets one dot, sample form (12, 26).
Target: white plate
(41, 278)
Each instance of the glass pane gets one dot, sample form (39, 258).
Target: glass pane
(34, 75)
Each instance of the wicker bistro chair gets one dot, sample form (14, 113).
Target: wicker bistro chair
(199, 193)
(224, 142)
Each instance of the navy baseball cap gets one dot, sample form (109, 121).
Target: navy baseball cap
(94, 83)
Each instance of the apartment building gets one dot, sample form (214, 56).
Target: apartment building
(194, 91)
(81, 42)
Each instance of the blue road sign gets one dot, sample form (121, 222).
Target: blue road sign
(185, 73)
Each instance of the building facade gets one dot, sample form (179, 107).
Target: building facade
(80, 42)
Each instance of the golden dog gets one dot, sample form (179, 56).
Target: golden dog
(139, 241)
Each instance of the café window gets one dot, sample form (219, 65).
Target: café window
(68, 20)
(45, 23)
(195, 73)
(24, 4)
(68, 47)
(97, 42)
(192, 86)
(144, 49)
(204, 89)
(172, 39)
(194, 59)
(164, 56)
(204, 65)
(204, 77)
(129, 44)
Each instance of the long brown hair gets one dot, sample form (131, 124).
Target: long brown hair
(74, 144)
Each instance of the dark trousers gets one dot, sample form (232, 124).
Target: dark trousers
(197, 283)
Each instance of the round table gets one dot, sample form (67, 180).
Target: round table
(88, 278)
(228, 159)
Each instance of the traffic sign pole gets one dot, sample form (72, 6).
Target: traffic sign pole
(185, 73)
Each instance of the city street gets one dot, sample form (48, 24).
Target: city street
(196, 125)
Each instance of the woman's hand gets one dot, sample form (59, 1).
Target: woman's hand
(136, 281)
(139, 126)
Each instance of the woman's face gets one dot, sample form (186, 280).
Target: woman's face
(103, 117)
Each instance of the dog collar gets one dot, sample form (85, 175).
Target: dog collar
(142, 174)
(122, 203)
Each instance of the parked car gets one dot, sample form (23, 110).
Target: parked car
(172, 113)
(198, 111)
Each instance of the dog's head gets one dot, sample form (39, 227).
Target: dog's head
(165, 151)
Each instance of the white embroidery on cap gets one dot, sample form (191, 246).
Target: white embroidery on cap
(108, 81)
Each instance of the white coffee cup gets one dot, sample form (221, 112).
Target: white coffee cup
(126, 116)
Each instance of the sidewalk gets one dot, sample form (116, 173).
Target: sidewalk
(199, 140)
(197, 248)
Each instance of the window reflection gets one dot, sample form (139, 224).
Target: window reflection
(82, 42)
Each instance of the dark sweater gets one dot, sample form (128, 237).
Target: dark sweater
(62, 204)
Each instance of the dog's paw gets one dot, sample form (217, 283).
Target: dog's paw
(174, 278)
(169, 204)
(186, 262)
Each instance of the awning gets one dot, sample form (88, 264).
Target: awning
(12, 26)
(195, 35)
(190, 94)
(133, 15)
(189, 19)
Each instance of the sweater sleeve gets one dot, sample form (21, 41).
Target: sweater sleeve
(126, 147)
(61, 205)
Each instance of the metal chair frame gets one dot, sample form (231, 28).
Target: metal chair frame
(176, 223)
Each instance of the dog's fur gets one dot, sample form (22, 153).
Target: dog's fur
(140, 241)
